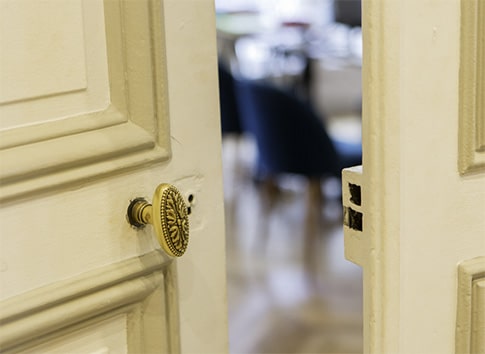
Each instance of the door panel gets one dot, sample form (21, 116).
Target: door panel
(129, 298)
(53, 73)
(73, 155)
(422, 215)
(105, 337)
(130, 130)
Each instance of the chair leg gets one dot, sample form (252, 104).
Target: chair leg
(314, 205)
(269, 192)
(312, 223)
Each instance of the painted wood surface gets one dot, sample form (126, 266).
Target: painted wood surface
(67, 179)
(423, 216)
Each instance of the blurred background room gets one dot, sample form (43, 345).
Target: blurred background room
(290, 91)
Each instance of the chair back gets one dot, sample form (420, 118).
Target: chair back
(289, 136)
(230, 121)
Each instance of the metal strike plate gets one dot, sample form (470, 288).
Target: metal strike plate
(168, 214)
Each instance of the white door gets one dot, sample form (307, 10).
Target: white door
(421, 239)
(100, 102)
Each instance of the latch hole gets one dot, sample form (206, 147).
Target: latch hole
(355, 194)
(353, 219)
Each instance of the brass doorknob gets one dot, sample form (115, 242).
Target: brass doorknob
(168, 214)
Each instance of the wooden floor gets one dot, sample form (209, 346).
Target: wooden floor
(288, 292)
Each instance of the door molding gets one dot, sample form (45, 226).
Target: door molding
(472, 89)
(64, 307)
(470, 272)
(133, 131)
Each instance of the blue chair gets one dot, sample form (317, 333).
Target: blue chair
(289, 135)
(291, 139)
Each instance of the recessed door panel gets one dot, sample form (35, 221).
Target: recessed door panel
(53, 63)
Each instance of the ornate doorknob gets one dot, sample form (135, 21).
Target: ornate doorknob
(168, 215)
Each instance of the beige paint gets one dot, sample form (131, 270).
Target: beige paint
(37, 86)
(66, 184)
(422, 217)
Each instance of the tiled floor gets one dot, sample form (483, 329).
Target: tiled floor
(288, 293)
